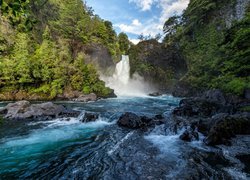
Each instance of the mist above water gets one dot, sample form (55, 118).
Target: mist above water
(123, 84)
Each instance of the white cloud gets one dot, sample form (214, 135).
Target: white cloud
(144, 5)
(170, 8)
(137, 28)
(135, 41)
(136, 22)
(154, 25)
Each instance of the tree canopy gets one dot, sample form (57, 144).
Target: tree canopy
(42, 42)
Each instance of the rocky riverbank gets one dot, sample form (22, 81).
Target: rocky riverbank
(67, 95)
(22, 110)
(217, 116)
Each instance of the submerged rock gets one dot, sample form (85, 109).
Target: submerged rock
(133, 121)
(24, 110)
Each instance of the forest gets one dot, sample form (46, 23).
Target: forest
(41, 47)
(215, 47)
(212, 38)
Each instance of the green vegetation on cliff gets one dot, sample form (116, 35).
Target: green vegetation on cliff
(42, 43)
(215, 43)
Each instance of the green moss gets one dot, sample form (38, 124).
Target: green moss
(245, 109)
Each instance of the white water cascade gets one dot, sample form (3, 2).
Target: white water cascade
(123, 85)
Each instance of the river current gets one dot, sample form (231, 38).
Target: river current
(69, 149)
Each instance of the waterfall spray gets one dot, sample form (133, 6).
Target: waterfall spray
(123, 85)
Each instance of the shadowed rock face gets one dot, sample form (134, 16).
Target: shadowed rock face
(217, 116)
(99, 55)
(25, 110)
(157, 63)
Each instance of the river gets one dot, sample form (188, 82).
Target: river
(69, 149)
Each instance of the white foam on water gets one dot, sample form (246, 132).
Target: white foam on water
(123, 84)
(110, 152)
(170, 151)
(236, 174)
(166, 144)
(56, 130)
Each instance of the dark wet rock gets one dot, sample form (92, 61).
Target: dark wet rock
(155, 94)
(247, 94)
(224, 127)
(133, 121)
(3, 110)
(215, 95)
(86, 98)
(25, 110)
(159, 116)
(183, 89)
(218, 116)
(130, 120)
(245, 159)
(89, 117)
(189, 135)
(199, 107)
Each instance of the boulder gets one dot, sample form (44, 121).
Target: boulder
(133, 121)
(215, 95)
(189, 135)
(201, 107)
(86, 98)
(24, 110)
(89, 117)
(225, 126)
(130, 120)
(155, 94)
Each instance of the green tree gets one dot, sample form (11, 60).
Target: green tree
(124, 43)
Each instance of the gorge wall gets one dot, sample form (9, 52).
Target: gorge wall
(205, 48)
(160, 65)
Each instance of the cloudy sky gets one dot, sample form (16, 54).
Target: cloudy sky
(135, 17)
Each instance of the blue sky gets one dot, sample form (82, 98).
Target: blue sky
(135, 17)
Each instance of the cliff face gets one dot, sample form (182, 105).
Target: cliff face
(234, 12)
(158, 64)
(215, 43)
(208, 49)
(100, 57)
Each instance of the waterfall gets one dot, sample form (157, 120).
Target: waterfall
(122, 84)
(122, 71)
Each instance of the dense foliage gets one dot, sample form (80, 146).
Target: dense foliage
(217, 54)
(159, 64)
(41, 44)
